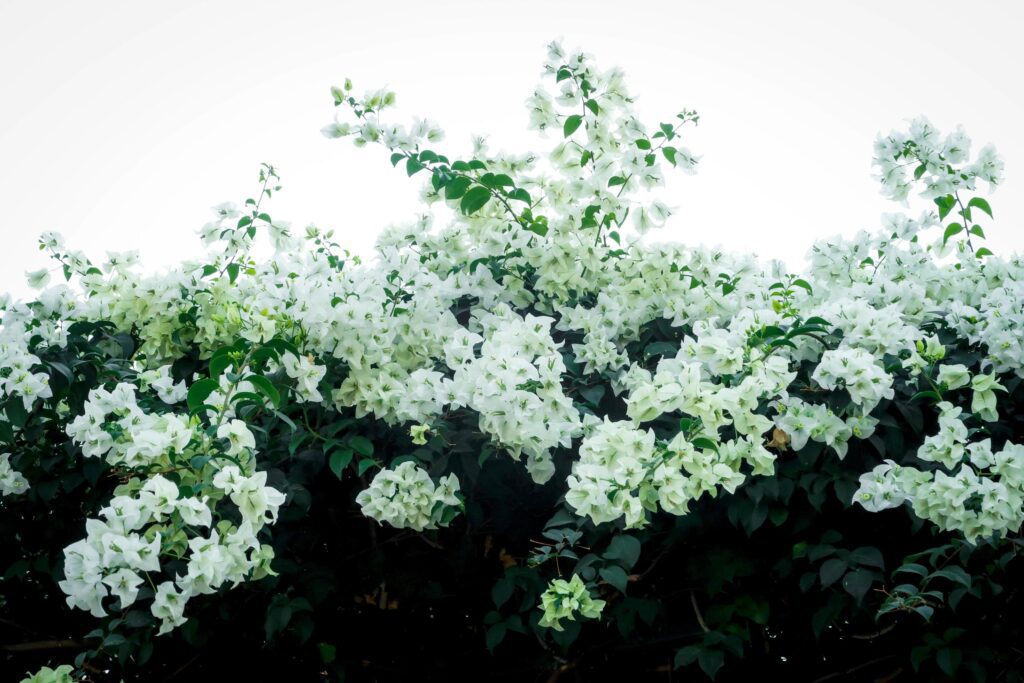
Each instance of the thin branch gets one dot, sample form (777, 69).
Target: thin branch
(696, 611)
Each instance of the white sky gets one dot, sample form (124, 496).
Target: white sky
(121, 123)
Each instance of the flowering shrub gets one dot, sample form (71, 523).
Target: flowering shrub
(528, 440)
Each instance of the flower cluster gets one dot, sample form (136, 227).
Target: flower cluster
(538, 321)
(123, 549)
(62, 674)
(113, 426)
(11, 480)
(566, 599)
(858, 372)
(406, 497)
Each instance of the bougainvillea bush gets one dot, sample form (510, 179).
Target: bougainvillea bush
(526, 442)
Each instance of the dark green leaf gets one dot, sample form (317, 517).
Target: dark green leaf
(857, 583)
(711, 661)
(267, 388)
(340, 459)
(571, 124)
(495, 634)
(475, 199)
(831, 570)
(981, 204)
(501, 592)
(361, 445)
(616, 576)
(625, 549)
(198, 392)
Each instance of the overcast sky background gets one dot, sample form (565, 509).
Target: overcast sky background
(122, 123)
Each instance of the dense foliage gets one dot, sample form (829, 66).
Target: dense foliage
(530, 443)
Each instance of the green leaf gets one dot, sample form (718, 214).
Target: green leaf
(945, 205)
(669, 154)
(16, 413)
(976, 230)
(501, 592)
(624, 548)
(858, 582)
(361, 445)
(868, 556)
(457, 187)
(521, 195)
(704, 443)
(232, 270)
(412, 166)
(267, 388)
(296, 441)
(616, 180)
(687, 655)
(925, 611)
(219, 363)
(951, 230)
(593, 395)
(616, 576)
(955, 574)
(799, 282)
(571, 124)
(913, 568)
(643, 143)
(711, 661)
(199, 391)
(984, 251)
(474, 199)
(948, 659)
(981, 204)
(340, 459)
(919, 171)
(592, 106)
(831, 570)
(495, 634)
(113, 640)
(562, 74)
(327, 652)
(365, 464)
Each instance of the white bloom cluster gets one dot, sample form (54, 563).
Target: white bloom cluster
(981, 498)
(491, 315)
(565, 599)
(19, 380)
(12, 482)
(123, 548)
(407, 498)
(622, 472)
(802, 421)
(858, 372)
(613, 474)
(113, 425)
(948, 446)
(516, 387)
(160, 381)
(62, 674)
(307, 376)
(922, 154)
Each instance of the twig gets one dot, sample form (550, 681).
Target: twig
(866, 664)
(41, 645)
(696, 611)
(876, 634)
